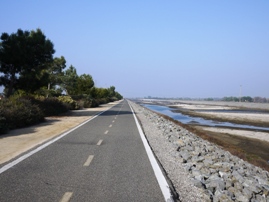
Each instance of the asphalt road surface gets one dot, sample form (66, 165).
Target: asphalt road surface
(103, 160)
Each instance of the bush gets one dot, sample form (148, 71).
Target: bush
(87, 103)
(113, 99)
(94, 103)
(52, 106)
(103, 100)
(17, 113)
(72, 104)
(3, 125)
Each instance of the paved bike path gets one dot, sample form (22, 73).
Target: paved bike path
(103, 160)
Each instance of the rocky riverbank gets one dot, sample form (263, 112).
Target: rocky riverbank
(198, 169)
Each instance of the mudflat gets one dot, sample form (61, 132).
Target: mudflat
(206, 110)
(21, 140)
(251, 145)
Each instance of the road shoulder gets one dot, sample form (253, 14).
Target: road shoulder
(21, 140)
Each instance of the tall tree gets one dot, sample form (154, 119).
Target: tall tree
(111, 91)
(23, 57)
(12, 58)
(39, 58)
(84, 84)
(55, 72)
(118, 96)
(102, 93)
(70, 80)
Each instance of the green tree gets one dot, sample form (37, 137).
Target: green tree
(231, 99)
(70, 80)
(55, 73)
(12, 58)
(84, 84)
(113, 94)
(93, 92)
(247, 99)
(24, 56)
(99, 93)
(118, 96)
(111, 90)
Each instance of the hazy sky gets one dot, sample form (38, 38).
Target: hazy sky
(174, 48)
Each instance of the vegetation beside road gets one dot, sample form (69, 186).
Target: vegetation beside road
(37, 85)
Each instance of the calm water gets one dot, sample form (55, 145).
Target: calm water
(196, 120)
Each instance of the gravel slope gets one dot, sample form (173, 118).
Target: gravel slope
(166, 154)
(198, 169)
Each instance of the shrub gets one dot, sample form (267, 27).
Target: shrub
(77, 97)
(17, 113)
(3, 125)
(52, 106)
(72, 104)
(103, 100)
(80, 104)
(94, 103)
(87, 103)
(113, 99)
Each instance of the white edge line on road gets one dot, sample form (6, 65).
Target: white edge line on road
(66, 197)
(157, 170)
(25, 156)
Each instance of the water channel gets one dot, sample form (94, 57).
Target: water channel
(185, 119)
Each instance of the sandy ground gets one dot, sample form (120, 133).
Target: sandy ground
(249, 105)
(257, 117)
(244, 133)
(201, 107)
(21, 140)
(250, 117)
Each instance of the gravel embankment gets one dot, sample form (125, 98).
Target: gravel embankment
(198, 169)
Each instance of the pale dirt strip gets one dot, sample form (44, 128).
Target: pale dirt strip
(260, 117)
(19, 141)
(256, 117)
(250, 117)
(244, 133)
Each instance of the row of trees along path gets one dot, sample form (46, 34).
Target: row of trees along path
(27, 64)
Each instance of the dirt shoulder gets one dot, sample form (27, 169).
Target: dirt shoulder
(19, 141)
